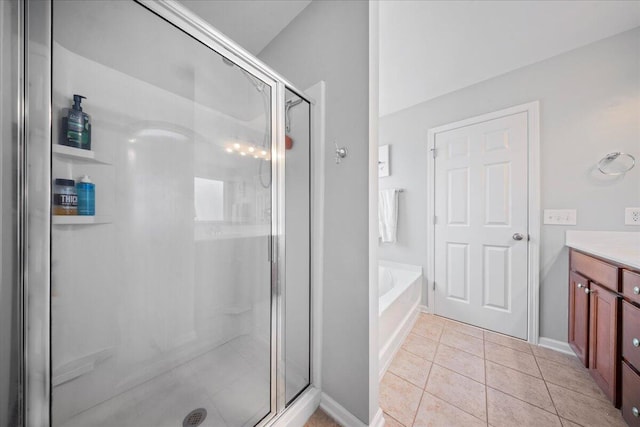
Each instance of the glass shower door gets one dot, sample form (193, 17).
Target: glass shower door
(161, 304)
(297, 301)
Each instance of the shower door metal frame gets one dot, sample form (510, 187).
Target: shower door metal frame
(36, 175)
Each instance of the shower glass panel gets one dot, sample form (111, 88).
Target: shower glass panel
(10, 93)
(161, 301)
(298, 226)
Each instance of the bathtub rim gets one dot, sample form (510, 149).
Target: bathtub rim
(387, 299)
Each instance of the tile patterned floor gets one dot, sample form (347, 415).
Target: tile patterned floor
(321, 419)
(450, 374)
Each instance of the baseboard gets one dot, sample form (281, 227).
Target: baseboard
(301, 410)
(344, 417)
(424, 309)
(556, 345)
(378, 420)
(389, 351)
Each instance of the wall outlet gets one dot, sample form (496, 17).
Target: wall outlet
(560, 216)
(632, 216)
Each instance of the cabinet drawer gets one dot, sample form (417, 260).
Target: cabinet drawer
(631, 285)
(630, 396)
(596, 270)
(631, 334)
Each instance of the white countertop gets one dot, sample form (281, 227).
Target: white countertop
(622, 247)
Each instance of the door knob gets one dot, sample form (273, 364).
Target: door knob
(518, 236)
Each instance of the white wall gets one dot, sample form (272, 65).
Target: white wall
(589, 106)
(329, 41)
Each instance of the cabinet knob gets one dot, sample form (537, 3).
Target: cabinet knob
(588, 291)
(636, 342)
(635, 412)
(580, 286)
(636, 290)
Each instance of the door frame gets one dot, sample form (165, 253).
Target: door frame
(533, 201)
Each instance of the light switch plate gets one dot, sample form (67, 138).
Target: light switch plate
(632, 216)
(560, 216)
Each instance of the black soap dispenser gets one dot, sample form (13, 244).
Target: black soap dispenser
(76, 126)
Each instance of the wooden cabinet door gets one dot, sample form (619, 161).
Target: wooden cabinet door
(579, 317)
(630, 396)
(603, 339)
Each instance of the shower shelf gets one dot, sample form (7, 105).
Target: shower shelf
(80, 219)
(79, 154)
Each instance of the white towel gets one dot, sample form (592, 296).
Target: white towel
(388, 215)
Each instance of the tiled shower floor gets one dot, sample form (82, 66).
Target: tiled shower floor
(451, 374)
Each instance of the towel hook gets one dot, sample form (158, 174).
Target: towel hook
(341, 153)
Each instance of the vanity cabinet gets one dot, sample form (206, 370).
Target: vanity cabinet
(630, 396)
(604, 327)
(579, 315)
(594, 319)
(631, 347)
(603, 339)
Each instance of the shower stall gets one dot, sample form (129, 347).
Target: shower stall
(185, 298)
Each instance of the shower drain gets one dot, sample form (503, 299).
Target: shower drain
(195, 418)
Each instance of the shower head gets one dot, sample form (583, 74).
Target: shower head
(287, 106)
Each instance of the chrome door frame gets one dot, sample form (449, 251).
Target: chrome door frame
(37, 212)
(36, 174)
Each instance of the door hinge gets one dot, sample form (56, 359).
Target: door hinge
(434, 285)
(434, 152)
(435, 220)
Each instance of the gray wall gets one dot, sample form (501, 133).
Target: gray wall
(589, 106)
(9, 338)
(329, 41)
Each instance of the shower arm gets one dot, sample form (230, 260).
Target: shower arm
(287, 119)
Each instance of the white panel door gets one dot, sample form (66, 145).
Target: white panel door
(481, 209)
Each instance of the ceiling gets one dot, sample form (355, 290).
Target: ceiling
(430, 48)
(250, 23)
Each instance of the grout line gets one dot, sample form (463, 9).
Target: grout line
(393, 418)
(419, 401)
(546, 386)
(603, 399)
(569, 363)
(517, 370)
(460, 373)
(451, 403)
(460, 349)
(530, 353)
(416, 354)
(486, 386)
(524, 401)
(582, 370)
(521, 399)
(424, 388)
(455, 406)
